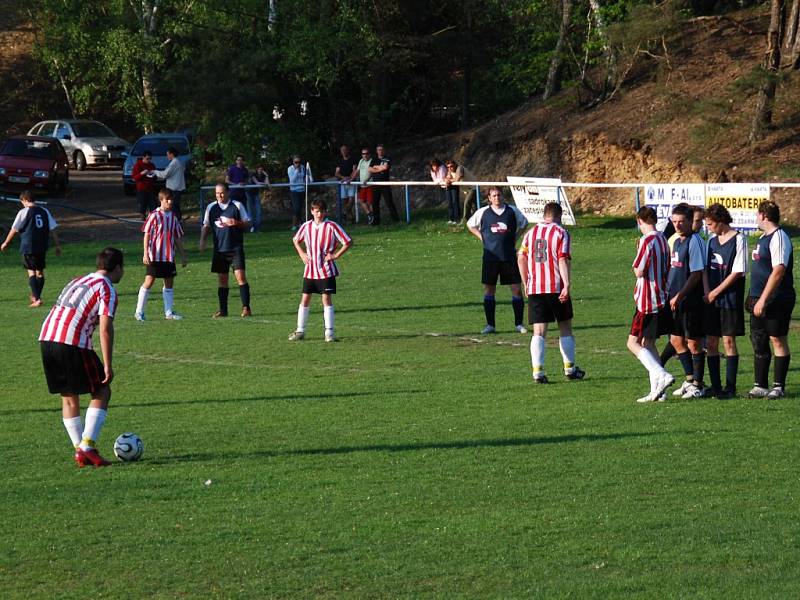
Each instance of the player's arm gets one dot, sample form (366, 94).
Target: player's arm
(564, 271)
(146, 245)
(341, 248)
(300, 252)
(522, 264)
(107, 346)
(693, 280)
(203, 235)
(181, 251)
(11, 233)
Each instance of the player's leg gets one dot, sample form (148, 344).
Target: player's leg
(566, 343)
(222, 294)
(489, 305)
(714, 361)
(329, 317)
(168, 296)
(731, 365)
(95, 419)
(537, 345)
(244, 290)
(762, 357)
(780, 347)
(38, 275)
(518, 304)
(644, 331)
(698, 354)
(684, 355)
(144, 293)
(302, 314)
(71, 416)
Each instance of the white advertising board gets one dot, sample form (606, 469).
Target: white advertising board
(741, 200)
(532, 193)
(663, 196)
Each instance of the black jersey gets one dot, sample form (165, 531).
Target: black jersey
(722, 260)
(499, 232)
(773, 249)
(34, 224)
(226, 239)
(688, 256)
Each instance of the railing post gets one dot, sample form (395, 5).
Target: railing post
(408, 204)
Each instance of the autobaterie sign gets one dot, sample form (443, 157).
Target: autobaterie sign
(741, 200)
(532, 193)
(663, 196)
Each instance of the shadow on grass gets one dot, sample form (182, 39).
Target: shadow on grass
(455, 445)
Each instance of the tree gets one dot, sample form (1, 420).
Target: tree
(772, 62)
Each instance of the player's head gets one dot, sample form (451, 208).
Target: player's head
(319, 207)
(111, 261)
(682, 215)
(26, 197)
(698, 213)
(769, 211)
(495, 196)
(718, 219)
(221, 192)
(646, 215)
(553, 212)
(171, 152)
(165, 199)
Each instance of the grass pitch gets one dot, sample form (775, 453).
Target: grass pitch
(414, 458)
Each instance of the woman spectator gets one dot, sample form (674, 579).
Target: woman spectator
(455, 173)
(438, 174)
(257, 177)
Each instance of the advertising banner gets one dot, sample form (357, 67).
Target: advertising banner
(741, 200)
(663, 196)
(532, 193)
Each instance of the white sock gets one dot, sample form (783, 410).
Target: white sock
(142, 301)
(537, 355)
(95, 417)
(74, 429)
(567, 346)
(652, 364)
(302, 317)
(168, 294)
(327, 312)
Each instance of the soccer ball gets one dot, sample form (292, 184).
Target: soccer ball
(129, 447)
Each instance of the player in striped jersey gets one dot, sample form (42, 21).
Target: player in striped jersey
(544, 265)
(653, 317)
(162, 235)
(325, 241)
(723, 284)
(71, 366)
(36, 226)
(771, 301)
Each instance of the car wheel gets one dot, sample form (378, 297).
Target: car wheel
(80, 161)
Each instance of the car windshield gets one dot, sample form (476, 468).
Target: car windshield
(28, 148)
(92, 129)
(158, 146)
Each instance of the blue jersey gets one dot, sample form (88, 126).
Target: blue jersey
(499, 232)
(226, 239)
(34, 224)
(770, 251)
(688, 256)
(722, 261)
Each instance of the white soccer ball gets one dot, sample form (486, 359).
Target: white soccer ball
(129, 447)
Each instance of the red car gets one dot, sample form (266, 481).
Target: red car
(36, 163)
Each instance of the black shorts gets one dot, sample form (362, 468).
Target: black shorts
(687, 321)
(34, 262)
(71, 370)
(651, 326)
(546, 308)
(775, 319)
(222, 262)
(724, 321)
(508, 272)
(161, 269)
(319, 286)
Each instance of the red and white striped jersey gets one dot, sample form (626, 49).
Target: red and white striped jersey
(653, 256)
(319, 240)
(163, 228)
(543, 246)
(78, 309)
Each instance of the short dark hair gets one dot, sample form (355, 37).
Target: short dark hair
(172, 151)
(26, 195)
(647, 214)
(435, 162)
(553, 210)
(165, 193)
(495, 188)
(147, 153)
(771, 211)
(320, 204)
(719, 214)
(109, 259)
(683, 209)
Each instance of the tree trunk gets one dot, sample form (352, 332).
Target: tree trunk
(555, 71)
(766, 96)
(791, 28)
(466, 82)
(146, 12)
(66, 89)
(611, 61)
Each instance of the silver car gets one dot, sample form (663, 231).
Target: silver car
(87, 143)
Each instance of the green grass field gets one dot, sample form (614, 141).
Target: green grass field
(414, 458)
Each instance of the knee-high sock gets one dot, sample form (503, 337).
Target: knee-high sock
(667, 353)
(95, 417)
(781, 369)
(686, 363)
(34, 287)
(714, 373)
(74, 429)
(168, 295)
(244, 294)
(698, 366)
(519, 307)
(731, 371)
(567, 346)
(761, 369)
(222, 295)
(39, 286)
(652, 364)
(302, 317)
(489, 309)
(141, 301)
(328, 316)
(537, 355)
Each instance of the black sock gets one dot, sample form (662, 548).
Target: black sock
(222, 294)
(698, 367)
(33, 285)
(714, 372)
(489, 309)
(40, 286)
(667, 353)
(519, 306)
(686, 363)
(244, 294)
(761, 369)
(781, 369)
(731, 370)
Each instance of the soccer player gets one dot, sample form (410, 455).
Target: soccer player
(771, 301)
(36, 226)
(71, 366)
(653, 317)
(162, 235)
(498, 226)
(325, 241)
(227, 220)
(685, 289)
(723, 283)
(544, 265)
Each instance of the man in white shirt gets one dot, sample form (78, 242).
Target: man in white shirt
(174, 175)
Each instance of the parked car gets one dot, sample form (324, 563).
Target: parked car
(157, 143)
(33, 163)
(87, 143)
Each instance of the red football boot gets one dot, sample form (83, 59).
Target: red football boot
(84, 458)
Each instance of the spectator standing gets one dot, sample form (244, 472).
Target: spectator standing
(454, 174)
(345, 171)
(382, 172)
(771, 302)
(236, 177)
(298, 178)
(261, 178)
(143, 174)
(365, 193)
(175, 180)
(438, 173)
